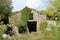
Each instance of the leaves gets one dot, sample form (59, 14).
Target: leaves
(53, 12)
(25, 16)
(5, 9)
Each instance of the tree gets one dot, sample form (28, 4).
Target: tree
(53, 12)
(56, 5)
(5, 10)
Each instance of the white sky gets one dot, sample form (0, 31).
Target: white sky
(36, 4)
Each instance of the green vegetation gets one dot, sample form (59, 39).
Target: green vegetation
(44, 34)
(2, 29)
(25, 16)
(43, 26)
(53, 12)
(21, 21)
(53, 34)
(5, 10)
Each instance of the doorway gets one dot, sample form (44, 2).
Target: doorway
(32, 26)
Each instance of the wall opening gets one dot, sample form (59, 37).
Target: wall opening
(32, 26)
(31, 16)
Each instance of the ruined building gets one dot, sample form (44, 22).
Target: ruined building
(34, 22)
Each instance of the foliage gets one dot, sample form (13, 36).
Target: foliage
(2, 29)
(43, 35)
(22, 29)
(43, 26)
(16, 19)
(53, 12)
(5, 9)
(19, 18)
(14, 13)
(25, 16)
(55, 3)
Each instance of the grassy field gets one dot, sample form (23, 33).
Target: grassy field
(53, 34)
(39, 36)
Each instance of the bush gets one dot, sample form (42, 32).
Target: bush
(22, 29)
(2, 29)
(43, 25)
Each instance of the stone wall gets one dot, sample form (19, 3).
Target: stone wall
(38, 17)
(51, 22)
(15, 19)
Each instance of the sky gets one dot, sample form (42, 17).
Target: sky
(35, 4)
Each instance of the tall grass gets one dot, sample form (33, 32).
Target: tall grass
(53, 34)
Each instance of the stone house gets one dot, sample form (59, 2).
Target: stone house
(38, 18)
(34, 22)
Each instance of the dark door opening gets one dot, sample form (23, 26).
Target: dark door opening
(31, 16)
(32, 26)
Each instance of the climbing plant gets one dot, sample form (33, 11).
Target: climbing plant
(25, 16)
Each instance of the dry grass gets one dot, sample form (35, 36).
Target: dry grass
(40, 36)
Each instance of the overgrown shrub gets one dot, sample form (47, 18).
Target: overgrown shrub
(25, 15)
(54, 34)
(2, 29)
(22, 29)
(43, 25)
(15, 19)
